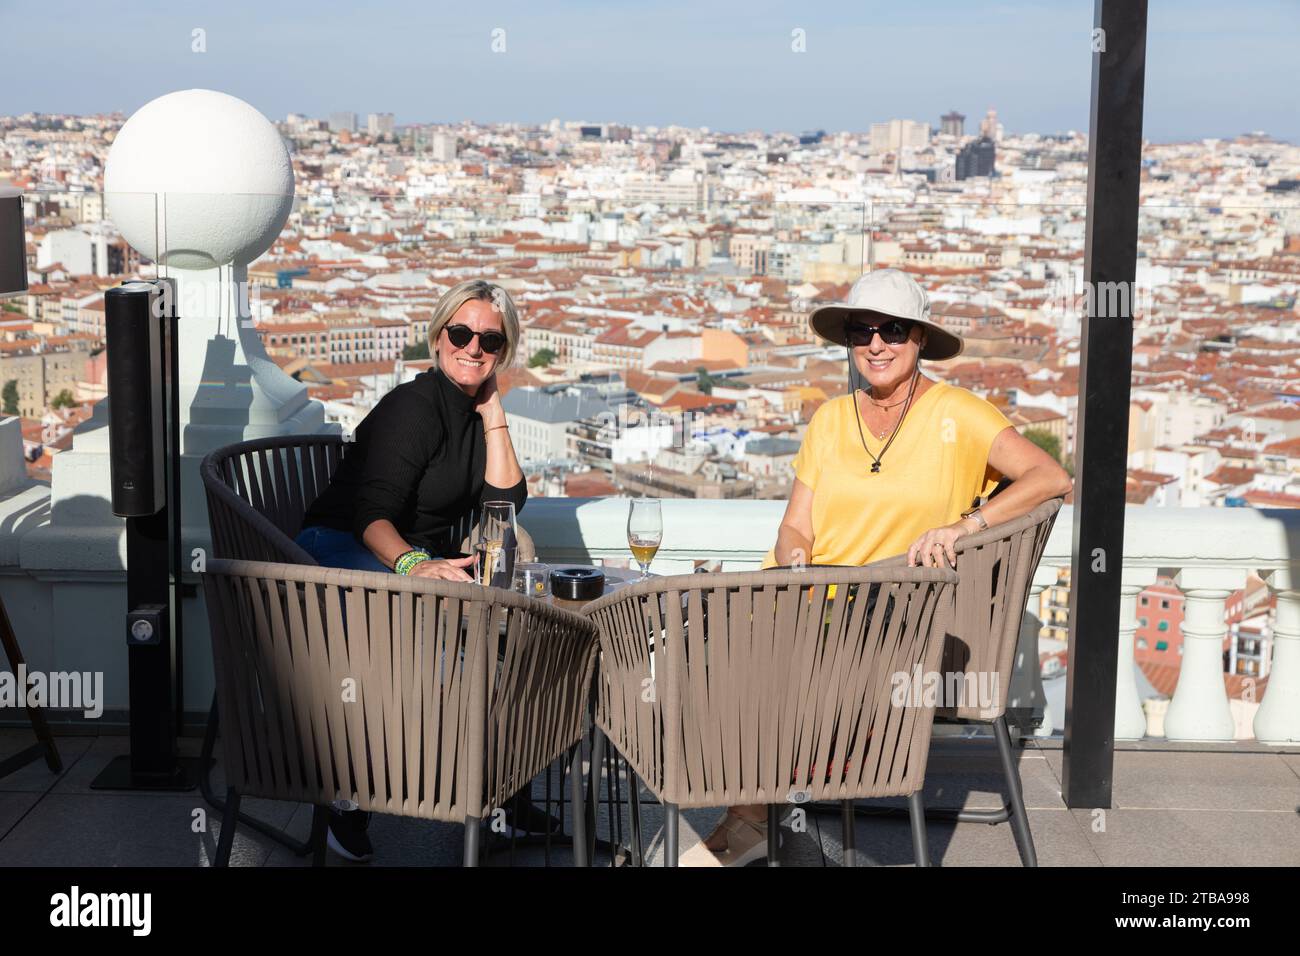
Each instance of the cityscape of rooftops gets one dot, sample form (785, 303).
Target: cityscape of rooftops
(665, 270)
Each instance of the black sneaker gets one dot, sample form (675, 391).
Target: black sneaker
(525, 818)
(346, 835)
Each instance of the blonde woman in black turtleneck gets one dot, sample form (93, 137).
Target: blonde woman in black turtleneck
(425, 458)
(430, 453)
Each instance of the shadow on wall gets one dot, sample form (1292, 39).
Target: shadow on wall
(20, 522)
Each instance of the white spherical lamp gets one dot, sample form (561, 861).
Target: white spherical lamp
(198, 179)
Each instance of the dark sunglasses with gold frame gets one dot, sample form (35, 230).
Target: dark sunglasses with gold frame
(892, 332)
(490, 341)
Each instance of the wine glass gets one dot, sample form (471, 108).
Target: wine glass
(495, 544)
(645, 531)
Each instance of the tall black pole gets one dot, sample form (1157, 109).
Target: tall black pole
(1105, 365)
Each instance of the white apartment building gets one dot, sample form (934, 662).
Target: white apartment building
(1191, 464)
(678, 191)
(80, 252)
(443, 148)
(1176, 418)
(379, 124)
(897, 134)
(538, 419)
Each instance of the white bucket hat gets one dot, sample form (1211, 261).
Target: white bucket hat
(893, 294)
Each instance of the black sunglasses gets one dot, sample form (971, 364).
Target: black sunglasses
(460, 336)
(893, 332)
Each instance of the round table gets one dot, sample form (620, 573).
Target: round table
(615, 578)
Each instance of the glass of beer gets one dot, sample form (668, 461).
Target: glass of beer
(645, 531)
(495, 544)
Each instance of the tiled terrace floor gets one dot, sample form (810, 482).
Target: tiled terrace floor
(1220, 805)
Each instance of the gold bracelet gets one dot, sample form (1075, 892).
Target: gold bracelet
(494, 428)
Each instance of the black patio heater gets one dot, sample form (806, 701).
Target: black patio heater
(140, 319)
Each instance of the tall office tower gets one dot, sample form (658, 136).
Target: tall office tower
(976, 159)
(444, 147)
(379, 124)
(897, 134)
(340, 122)
(990, 127)
(952, 124)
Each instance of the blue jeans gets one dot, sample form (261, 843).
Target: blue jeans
(338, 549)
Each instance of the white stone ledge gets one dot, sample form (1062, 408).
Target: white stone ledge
(740, 532)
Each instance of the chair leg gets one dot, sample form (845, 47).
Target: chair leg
(205, 787)
(593, 784)
(847, 821)
(229, 820)
(634, 816)
(318, 841)
(920, 841)
(581, 856)
(670, 834)
(1019, 819)
(773, 834)
(35, 715)
(472, 827)
(614, 805)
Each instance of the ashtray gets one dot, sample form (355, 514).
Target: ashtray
(577, 584)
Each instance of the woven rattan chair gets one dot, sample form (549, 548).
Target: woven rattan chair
(407, 696)
(258, 492)
(995, 569)
(758, 688)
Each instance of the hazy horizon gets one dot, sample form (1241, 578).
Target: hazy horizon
(1212, 72)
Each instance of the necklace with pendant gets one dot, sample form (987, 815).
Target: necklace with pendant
(876, 460)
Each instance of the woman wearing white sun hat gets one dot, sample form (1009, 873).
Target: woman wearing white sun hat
(896, 467)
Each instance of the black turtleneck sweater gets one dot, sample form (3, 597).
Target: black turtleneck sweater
(418, 459)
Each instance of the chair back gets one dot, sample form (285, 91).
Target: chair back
(259, 490)
(995, 568)
(762, 687)
(408, 696)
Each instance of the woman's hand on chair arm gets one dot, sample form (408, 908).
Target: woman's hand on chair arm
(1035, 477)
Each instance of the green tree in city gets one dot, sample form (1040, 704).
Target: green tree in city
(415, 353)
(1045, 440)
(703, 380)
(541, 358)
(63, 400)
(9, 397)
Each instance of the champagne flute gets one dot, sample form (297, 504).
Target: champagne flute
(495, 543)
(645, 531)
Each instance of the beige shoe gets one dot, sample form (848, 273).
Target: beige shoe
(744, 841)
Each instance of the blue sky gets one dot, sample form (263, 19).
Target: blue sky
(1213, 68)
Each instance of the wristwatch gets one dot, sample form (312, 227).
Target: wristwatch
(978, 516)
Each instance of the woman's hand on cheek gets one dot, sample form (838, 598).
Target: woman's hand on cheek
(488, 403)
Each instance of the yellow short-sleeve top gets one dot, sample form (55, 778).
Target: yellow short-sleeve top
(935, 469)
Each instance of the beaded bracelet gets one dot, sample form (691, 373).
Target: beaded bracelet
(407, 560)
